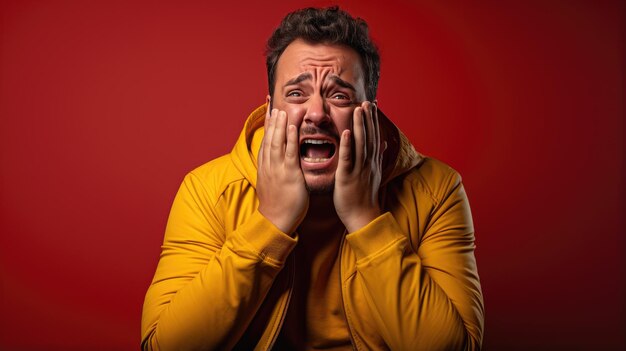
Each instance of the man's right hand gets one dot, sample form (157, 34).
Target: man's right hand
(283, 197)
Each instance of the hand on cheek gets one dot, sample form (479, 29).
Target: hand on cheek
(283, 198)
(359, 171)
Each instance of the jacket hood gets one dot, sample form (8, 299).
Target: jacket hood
(399, 157)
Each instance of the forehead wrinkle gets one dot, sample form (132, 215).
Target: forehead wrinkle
(322, 72)
(321, 69)
(335, 63)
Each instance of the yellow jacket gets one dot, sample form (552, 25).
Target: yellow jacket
(408, 279)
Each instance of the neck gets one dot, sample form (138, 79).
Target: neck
(321, 218)
(321, 227)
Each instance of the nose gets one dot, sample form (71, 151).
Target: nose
(317, 112)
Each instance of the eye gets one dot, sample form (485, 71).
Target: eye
(340, 96)
(294, 93)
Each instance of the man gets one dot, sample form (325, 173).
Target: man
(323, 228)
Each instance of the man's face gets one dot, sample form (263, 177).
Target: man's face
(319, 86)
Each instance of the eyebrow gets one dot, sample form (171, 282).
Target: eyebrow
(342, 83)
(299, 79)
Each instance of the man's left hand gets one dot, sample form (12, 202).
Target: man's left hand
(358, 176)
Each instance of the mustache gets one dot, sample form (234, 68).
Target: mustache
(309, 130)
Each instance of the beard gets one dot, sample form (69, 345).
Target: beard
(318, 187)
(321, 189)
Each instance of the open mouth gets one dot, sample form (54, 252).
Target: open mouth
(316, 150)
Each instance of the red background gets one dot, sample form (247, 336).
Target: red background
(105, 105)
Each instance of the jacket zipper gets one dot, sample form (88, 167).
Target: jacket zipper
(343, 300)
(292, 275)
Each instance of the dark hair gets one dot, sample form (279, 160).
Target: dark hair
(330, 26)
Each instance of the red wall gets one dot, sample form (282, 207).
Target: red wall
(105, 105)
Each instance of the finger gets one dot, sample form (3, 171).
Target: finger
(277, 153)
(359, 137)
(376, 132)
(267, 138)
(344, 165)
(259, 160)
(369, 131)
(292, 155)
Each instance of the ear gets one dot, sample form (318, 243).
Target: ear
(268, 99)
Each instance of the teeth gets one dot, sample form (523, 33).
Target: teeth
(314, 141)
(315, 160)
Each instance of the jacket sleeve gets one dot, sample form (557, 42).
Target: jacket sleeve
(425, 295)
(209, 284)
